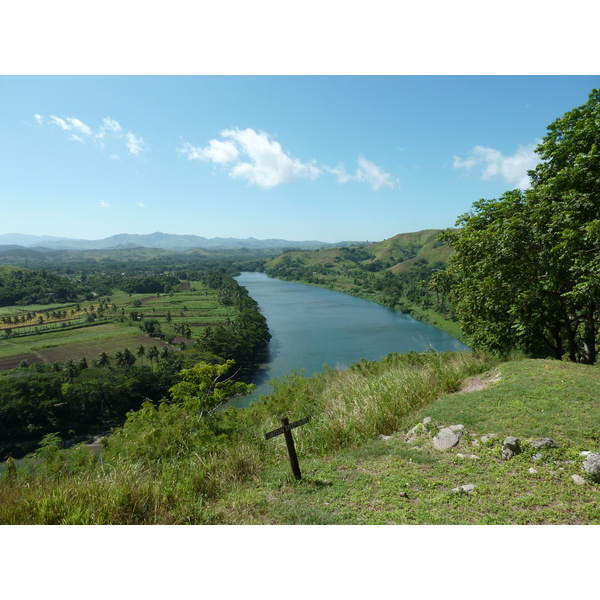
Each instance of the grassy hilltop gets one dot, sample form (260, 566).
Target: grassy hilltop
(363, 455)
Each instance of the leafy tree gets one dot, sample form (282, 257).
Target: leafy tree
(526, 269)
(205, 386)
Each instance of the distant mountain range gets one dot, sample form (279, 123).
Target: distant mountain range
(165, 241)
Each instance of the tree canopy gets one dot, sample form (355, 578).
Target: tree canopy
(526, 269)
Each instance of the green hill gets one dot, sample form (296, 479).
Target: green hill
(393, 272)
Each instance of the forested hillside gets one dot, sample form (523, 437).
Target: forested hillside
(395, 272)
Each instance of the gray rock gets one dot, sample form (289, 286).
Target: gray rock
(412, 435)
(511, 447)
(544, 443)
(385, 437)
(487, 437)
(578, 479)
(445, 439)
(585, 453)
(464, 489)
(426, 420)
(532, 470)
(456, 427)
(537, 456)
(591, 465)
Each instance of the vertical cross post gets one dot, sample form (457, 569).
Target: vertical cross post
(291, 450)
(286, 429)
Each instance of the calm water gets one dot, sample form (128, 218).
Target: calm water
(312, 327)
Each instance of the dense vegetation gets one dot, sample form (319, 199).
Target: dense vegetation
(526, 269)
(23, 287)
(99, 383)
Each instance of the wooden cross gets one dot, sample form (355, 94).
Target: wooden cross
(286, 429)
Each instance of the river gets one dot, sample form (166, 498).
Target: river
(312, 327)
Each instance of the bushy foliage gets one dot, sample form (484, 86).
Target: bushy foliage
(526, 270)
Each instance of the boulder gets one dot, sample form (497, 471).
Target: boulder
(578, 479)
(544, 443)
(591, 466)
(446, 439)
(510, 447)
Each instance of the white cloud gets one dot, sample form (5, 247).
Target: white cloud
(134, 143)
(77, 125)
(491, 164)
(219, 152)
(261, 161)
(109, 130)
(104, 204)
(252, 156)
(366, 172)
(111, 125)
(58, 121)
(140, 204)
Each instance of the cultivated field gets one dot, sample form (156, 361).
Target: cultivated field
(60, 332)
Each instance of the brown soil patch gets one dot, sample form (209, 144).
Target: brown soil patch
(479, 382)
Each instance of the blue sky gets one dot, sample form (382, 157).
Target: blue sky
(326, 158)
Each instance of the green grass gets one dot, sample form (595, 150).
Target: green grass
(350, 475)
(541, 398)
(395, 481)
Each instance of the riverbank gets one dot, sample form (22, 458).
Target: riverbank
(428, 316)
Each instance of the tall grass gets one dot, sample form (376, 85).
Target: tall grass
(371, 398)
(166, 466)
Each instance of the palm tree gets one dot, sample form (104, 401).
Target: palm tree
(152, 353)
(71, 369)
(128, 357)
(119, 359)
(141, 352)
(104, 360)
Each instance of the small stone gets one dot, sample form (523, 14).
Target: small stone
(510, 447)
(537, 456)
(461, 455)
(445, 439)
(578, 479)
(487, 437)
(532, 470)
(411, 436)
(403, 495)
(426, 420)
(456, 427)
(591, 465)
(464, 489)
(585, 453)
(385, 437)
(544, 443)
